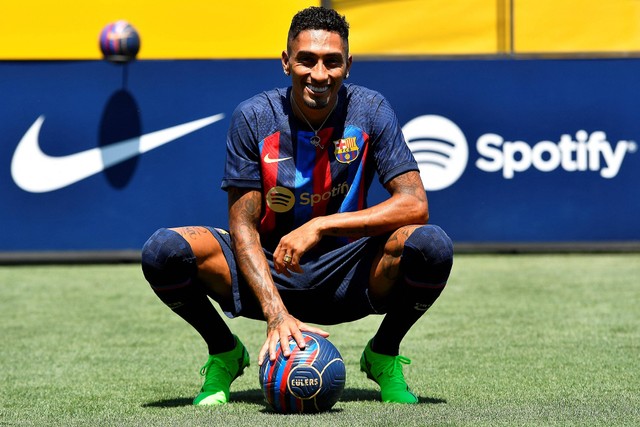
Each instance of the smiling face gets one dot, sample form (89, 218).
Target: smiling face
(318, 62)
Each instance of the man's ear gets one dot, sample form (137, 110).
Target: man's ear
(349, 62)
(285, 62)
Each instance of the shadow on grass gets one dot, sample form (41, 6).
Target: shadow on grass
(369, 395)
(169, 403)
(255, 397)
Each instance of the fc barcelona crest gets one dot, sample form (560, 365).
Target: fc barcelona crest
(346, 150)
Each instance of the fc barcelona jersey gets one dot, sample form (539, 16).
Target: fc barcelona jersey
(269, 149)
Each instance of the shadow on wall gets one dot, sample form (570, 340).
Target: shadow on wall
(120, 122)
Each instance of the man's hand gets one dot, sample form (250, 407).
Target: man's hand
(279, 329)
(292, 246)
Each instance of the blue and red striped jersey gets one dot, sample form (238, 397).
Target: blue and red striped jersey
(269, 149)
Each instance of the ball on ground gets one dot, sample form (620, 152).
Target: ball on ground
(308, 381)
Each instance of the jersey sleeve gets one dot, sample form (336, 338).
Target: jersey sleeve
(242, 165)
(392, 154)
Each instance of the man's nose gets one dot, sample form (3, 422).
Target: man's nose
(319, 72)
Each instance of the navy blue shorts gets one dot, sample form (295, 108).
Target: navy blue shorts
(333, 288)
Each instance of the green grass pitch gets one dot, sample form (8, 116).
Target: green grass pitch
(514, 340)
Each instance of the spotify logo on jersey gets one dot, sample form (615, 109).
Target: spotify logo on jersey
(280, 199)
(440, 148)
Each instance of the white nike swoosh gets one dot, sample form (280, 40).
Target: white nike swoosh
(267, 159)
(36, 172)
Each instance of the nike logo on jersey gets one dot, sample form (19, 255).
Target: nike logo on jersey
(268, 159)
(36, 172)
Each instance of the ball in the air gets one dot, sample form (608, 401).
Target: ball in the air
(119, 42)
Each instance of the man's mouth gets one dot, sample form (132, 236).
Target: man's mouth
(318, 89)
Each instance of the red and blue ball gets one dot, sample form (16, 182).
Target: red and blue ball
(119, 42)
(308, 381)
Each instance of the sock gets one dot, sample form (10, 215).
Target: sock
(426, 262)
(169, 265)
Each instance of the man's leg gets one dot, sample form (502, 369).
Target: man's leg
(182, 265)
(425, 264)
(410, 283)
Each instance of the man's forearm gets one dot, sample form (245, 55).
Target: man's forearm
(255, 270)
(407, 206)
(244, 213)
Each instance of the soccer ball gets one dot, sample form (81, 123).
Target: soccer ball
(119, 42)
(308, 381)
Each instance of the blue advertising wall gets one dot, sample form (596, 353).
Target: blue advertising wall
(511, 151)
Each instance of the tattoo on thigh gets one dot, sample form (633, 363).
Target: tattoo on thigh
(191, 232)
(395, 243)
(390, 267)
(390, 261)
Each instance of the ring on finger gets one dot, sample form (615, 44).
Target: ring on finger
(287, 259)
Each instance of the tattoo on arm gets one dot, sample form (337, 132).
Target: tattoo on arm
(407, 183)
(244, 212)
(276, 320)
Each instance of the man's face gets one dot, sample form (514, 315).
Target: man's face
(318, 63)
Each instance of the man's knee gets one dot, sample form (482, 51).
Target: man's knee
(427, 257)
(168, 260)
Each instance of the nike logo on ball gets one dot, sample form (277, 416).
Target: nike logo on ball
(36, 172)
(268, 159)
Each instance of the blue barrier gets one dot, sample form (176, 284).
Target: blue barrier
(511, 151)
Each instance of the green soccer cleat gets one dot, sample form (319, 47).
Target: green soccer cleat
(219, 372)
(387, 372)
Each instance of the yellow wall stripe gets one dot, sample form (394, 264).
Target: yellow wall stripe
(200, 29)
(183, 29)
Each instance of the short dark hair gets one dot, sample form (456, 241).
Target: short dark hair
(319, 18)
